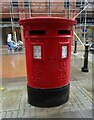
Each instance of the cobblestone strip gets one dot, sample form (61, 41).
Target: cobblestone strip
(29, 112)
(14, 114)
(79, 104)
(83, 103)
(83, 89)
(22, 104)
(9, 114)
(85, 93)
(86, 102)
(21, 113)
(75, 101)
(20, 100)
(76, 106)
(83, 99)
(3, 114)
(42, 112)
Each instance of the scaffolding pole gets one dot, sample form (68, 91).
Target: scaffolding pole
(49, 8)
(82, 11)
(85, 24)
(29, 8)
(11, 15)
(78, 38)
(34, 13)
(69, 9)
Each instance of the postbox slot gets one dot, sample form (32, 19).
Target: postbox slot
(64, 32)
(37, 32)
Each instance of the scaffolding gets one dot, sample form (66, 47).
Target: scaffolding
(48, 8)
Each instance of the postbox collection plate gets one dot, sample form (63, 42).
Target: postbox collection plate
(37, 52)
(64, 51)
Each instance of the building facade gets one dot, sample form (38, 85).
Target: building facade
(14, 10)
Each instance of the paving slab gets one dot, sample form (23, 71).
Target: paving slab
(66, 115)
(2, 115)
(15, 114)
(21, 113)
(10, 104)
(15, 104)
(12, 93)
(9, 114)
(86, 113)
(29, 113)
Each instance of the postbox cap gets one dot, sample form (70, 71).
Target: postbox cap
(51, 23)
(48, 19)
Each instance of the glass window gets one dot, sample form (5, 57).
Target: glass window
(15, 3)
(66, 3)
(83, 3)
(26, 3)
(78, 3)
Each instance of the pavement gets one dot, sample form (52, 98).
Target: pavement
(80, 105)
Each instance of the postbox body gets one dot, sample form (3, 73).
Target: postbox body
(48, 50)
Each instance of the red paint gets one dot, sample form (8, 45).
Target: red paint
(51, 71)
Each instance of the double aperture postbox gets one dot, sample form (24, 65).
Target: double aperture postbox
(48, 49)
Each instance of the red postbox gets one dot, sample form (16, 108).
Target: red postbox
(48, 50)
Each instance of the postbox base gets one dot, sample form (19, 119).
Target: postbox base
(48, 97)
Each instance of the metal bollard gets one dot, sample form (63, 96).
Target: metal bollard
(75, 47)
(85, 67)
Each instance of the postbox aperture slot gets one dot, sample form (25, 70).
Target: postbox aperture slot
(37, 32)
(63, 32)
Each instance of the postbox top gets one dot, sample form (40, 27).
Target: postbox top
(47, 23)
(47, 19)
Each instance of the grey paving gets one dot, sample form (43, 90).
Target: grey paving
(87, 113)
(10, 104)
(15, 105)
(67, 115)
